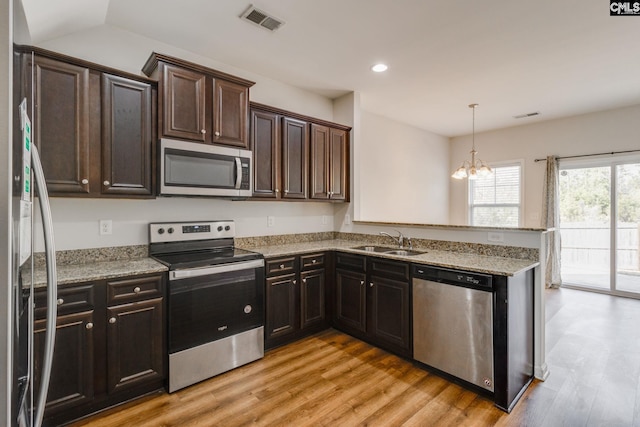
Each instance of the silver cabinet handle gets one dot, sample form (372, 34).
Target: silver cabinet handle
(277, 191)
(313, 261)
(112, 320)
(203, 131)
(304, 280)
(286, 191)
(294, 282)
(281, 266)
(362, 282)
(136, 289)
(89, 325)
(371, 285)
(60, 301)
(85, 181)
(216, 133)
(106, 183)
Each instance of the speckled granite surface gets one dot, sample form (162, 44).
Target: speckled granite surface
(499, 265)
(83, 265)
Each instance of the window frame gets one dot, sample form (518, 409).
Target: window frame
(521, 210)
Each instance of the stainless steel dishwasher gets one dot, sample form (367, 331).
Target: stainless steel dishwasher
(453, 323)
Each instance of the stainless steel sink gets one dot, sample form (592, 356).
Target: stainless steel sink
(404, 252)
(373, 248)
(387, 250)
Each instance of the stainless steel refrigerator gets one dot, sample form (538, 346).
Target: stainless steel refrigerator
(28, 385)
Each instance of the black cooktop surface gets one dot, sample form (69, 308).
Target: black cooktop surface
(202, 258)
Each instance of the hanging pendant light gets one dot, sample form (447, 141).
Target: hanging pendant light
(474, 168)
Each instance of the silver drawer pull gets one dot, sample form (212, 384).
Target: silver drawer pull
(216, 133)
(136, 289)
(203, 131)
(313, 261)
(106, 183)
(112, 320)
(281, 266)
(304, 280)
(89, 325)
(85, 181)
(60, 301)
(362, 282)
(294, 282)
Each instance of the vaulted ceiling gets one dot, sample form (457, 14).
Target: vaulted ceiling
(559, 58)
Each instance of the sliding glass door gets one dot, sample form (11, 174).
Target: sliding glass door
(599, 224)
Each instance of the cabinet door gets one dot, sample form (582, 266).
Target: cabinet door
(350, 307)
(281, 306)
(135, 344)
(71, 382)
(338, 169)
(230, 112)
(61, 123)
(312, 291)
(126, 137)
(390, 316)
(265, 144)
(295, 143)
(319, 162)
(183, 104)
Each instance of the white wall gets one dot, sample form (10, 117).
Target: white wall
(402, 173)
(613, 130)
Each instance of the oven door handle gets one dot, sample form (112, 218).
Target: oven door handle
(205, 271)
(238, 173)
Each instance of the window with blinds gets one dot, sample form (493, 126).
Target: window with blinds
(494, 201)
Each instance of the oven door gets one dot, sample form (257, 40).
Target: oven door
(191, 169)
(211, 303)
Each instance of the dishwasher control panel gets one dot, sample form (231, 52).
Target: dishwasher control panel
(453, 277)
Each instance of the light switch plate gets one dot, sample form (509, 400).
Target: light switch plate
(106, 227)
(271, 221)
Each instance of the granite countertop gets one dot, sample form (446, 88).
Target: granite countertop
(85, 272)
(463, 261)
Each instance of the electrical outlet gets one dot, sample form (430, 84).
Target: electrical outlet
(106, 227)
(347, 219)
(495, 237)
(271, 221)
(325, 220)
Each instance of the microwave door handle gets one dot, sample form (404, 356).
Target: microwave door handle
(238, 173)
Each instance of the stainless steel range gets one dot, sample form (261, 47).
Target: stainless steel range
(215, 302)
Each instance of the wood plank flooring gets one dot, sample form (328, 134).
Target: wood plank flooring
(332, 379)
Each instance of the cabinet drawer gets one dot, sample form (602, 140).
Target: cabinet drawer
(278, 266)
(390, 269)
(312, 261)
(138, 288)
(70, 300)
(351, 262)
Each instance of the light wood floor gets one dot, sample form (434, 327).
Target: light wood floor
(332, 379)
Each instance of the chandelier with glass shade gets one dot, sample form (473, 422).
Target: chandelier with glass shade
(476, 167)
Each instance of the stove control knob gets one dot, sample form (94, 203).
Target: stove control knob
(170, 230)
(227, 228)
(160, 230)
(219, 228)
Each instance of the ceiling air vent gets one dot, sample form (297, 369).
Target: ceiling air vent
(522, 116)
(261, 18)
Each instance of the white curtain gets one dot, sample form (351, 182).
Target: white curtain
(551, 220)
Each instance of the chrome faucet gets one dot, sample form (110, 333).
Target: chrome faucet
(399, 240)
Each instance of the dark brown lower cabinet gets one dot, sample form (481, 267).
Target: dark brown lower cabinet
(135, 344)
(295, 298)
(104, 354)
(71, 382)
(373, 301)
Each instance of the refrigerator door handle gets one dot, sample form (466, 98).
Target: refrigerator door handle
(52, 285)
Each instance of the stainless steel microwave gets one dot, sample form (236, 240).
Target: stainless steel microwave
(192, 169)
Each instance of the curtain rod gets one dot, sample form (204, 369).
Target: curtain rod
(591, 155)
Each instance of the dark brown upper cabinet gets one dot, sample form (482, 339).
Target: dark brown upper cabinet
(298, 157)
(61, 122)
(280, 152)
(94, 126)
(329, 165)
(200, 104)
(127, 136)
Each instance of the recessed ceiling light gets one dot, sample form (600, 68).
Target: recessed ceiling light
(379, 68)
